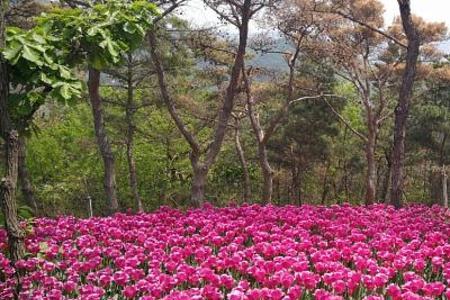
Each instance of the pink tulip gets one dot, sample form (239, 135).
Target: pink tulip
(248, 252)
(130, 292)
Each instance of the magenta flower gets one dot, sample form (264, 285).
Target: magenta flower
(249, 252)
(130, 292)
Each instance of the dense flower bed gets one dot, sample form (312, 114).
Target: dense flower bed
(248, 252)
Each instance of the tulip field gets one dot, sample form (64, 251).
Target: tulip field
(247, 252)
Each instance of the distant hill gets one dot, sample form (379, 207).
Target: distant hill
(445, 46)
(273, 61)
(276, 62)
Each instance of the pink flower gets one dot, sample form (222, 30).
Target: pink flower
(295, 292)
(434, 289)
(227, 281)
(236, 295)
(411, 296)
(120, 278)
(447, 293)
(105, 279)
(394, 291)
(339, 286)
(380, 280)
(69, 286)
(237, 252)
(211, 293)
(130, 292)
(372, 297)
(54, 295)
(414, 285)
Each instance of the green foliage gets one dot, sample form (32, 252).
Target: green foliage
(103, 33)
(23, 212)
(226, 178)
(352, 111)
(37, 71)
(62, 160)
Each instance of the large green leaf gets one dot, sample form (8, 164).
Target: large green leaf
(129, 27)
(12, 53)
(32, 55)
(65, 92)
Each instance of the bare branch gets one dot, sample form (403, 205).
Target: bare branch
(386, 116)
(362, 23)
(343, 120)
(254, 118)
(190, 138)
(223, 16)
(168, 11)
(310, 97)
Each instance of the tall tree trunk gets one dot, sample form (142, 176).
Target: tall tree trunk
(263, 158)
(404, 100)
(199, 180)
(243, 161)
(24, 177)
(8, 187)
(102, 140)
(267, 173)
(296, 186)
(325, 188)
(386, 179)
(8, 183)
(277, 187)
(231, 91)
(371, 175)
(435, 181)
(133, 174)
(129, 116)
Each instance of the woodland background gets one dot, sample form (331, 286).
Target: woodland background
(312, 119)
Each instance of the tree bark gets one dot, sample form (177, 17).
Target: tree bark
(263, 159)
(386, 179)
(267, 173)
(133, 174)
(199, 180)
(102, 140)
(325, 188)
(371, 175)
(277, 184)
(8, 183)
(24, 177)
(296, 184)
(243, 161)
(435, 181)
(404, 100)
(444, 171)
(8, 196)
(131, 128)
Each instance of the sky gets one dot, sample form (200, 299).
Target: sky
(430, 10)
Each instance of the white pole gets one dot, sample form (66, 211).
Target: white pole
(91, 213)
(444, 187)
